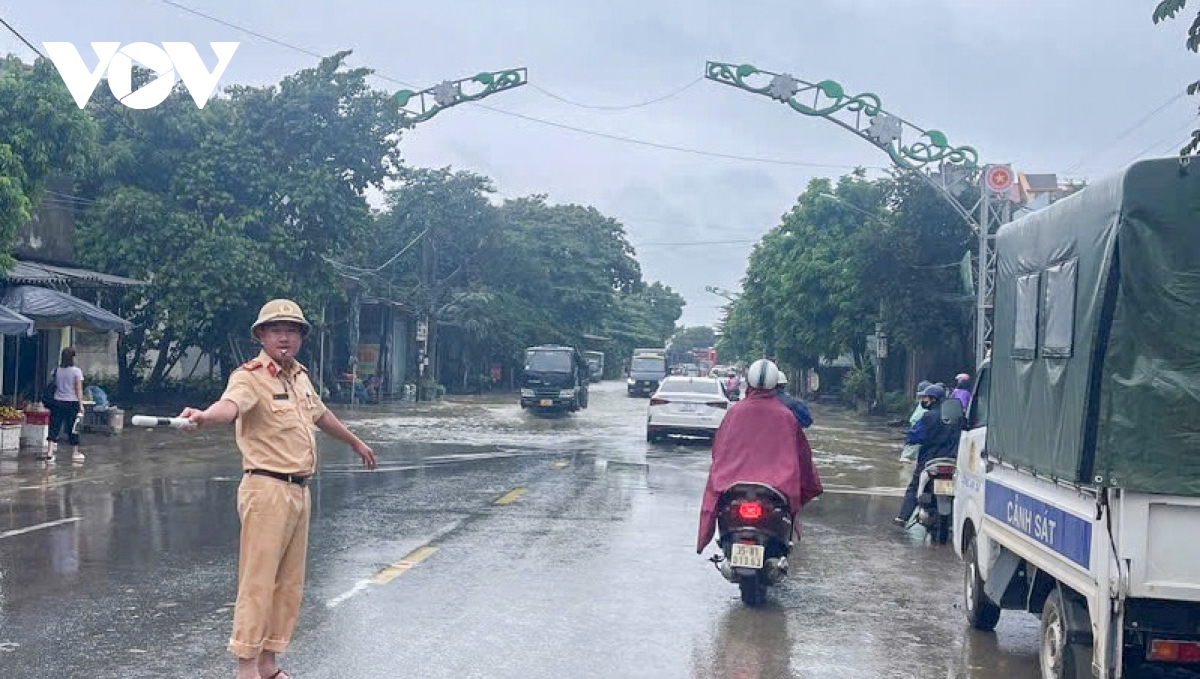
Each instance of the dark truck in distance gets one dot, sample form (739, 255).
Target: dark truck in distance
(595, 360)
(647, 368)
(555, 379)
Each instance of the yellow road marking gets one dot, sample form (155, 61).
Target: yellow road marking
(510, 497)
(559, 464)
(404, 565)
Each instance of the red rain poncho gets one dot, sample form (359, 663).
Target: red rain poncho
(759, 441)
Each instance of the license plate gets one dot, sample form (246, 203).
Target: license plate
(746, 556)
(943, 486)
(545, 403)
(687, 408)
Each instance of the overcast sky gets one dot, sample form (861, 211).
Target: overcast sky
(1076, 87)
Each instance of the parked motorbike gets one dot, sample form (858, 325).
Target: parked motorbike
(754, 525)
(935, 498)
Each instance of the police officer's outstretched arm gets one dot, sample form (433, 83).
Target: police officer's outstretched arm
(330, 424)
(221, 412)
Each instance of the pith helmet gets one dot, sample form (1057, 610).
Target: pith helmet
(281, 310)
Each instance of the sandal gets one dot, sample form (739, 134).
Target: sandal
(280, 674)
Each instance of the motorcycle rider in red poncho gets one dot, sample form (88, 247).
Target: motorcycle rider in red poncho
(759, 441)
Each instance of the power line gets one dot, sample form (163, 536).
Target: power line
(1130, 130)
(542, 121)
(598, 107)
(22, 38)
(1174, 135)
(671, 147)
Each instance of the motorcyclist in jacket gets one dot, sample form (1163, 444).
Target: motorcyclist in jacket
(759, 442)
(798, 407)
(936, 438)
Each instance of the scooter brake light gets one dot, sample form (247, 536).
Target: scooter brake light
(944, 470)
(750, 511)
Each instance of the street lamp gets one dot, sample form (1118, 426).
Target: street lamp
(722, 292)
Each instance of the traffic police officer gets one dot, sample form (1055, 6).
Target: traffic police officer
(275, 406)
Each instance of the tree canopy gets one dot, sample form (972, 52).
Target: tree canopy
(846, 256)
(42, 132)
(266, 190)
(1169, 9)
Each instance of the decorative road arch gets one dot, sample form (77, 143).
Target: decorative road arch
(431, 101)
(928, 154)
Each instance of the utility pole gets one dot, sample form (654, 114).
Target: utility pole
(418, 107)
(428, 322)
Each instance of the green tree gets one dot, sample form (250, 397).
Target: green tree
(911, 264)
(1169, 9)
(802, 293)
(696, 337)
(253, 192)
(844, 258)
(42, 133)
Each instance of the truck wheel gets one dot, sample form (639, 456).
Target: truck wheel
(1057, 658)
(982, 612)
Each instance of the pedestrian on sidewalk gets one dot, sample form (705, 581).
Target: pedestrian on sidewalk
(274, 404)
(66, 405)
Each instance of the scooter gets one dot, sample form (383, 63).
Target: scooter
(935, 498)
(755, 527)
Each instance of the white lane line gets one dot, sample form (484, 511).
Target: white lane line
(361, 586)
(41, 526)
(339, 599)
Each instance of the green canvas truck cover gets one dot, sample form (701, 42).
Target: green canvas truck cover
(1096, 353)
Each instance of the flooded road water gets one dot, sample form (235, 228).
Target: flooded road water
(490, 543)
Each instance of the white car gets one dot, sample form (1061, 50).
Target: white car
(691, 406)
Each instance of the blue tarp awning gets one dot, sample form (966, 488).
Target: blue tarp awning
(13, 323)
(53, 309)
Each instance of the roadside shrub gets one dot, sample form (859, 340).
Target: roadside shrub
(899, 404)
(858, 388)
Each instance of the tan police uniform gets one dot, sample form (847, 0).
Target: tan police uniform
(277, 410)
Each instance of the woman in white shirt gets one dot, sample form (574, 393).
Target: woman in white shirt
(66, 406)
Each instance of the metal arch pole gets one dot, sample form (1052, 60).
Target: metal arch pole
(942, 191)
(994, 212)
(419, 106)
(982, 286)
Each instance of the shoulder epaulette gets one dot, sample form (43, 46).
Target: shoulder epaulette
(252, 365)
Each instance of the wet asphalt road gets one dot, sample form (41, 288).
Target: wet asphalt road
(490, 543)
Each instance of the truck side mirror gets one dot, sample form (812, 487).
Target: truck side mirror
(952, 412)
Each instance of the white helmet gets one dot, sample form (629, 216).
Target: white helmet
(763, 374)
(782, 379)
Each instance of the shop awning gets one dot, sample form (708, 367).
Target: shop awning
(36, 273)
(13, 323)
(53, 309)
